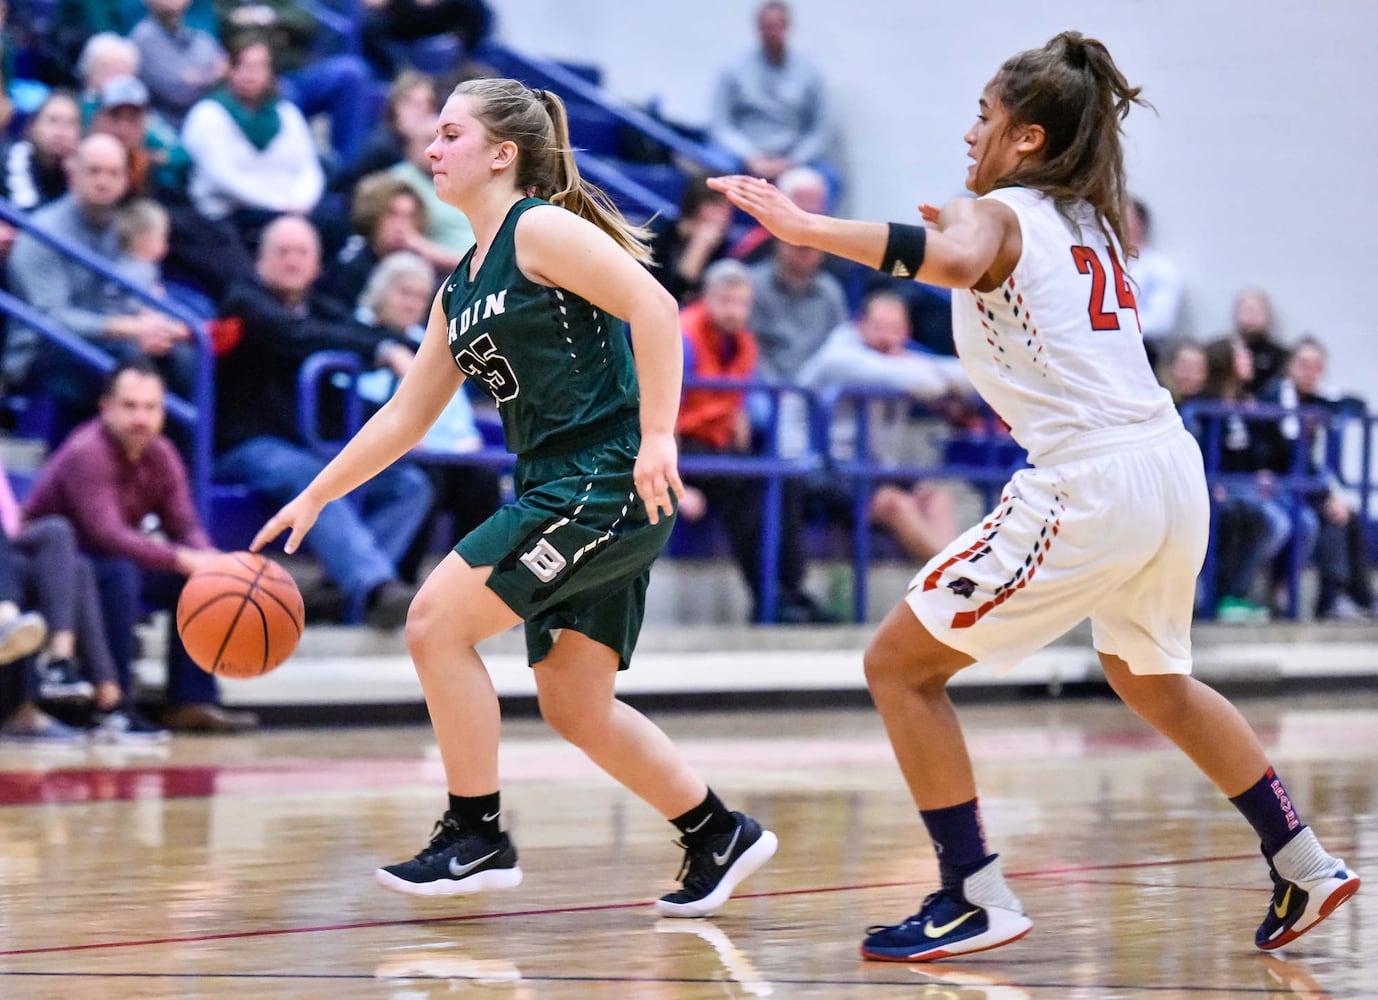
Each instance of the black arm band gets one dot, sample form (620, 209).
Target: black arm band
(904, 250)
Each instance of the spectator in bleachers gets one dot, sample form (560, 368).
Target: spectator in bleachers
(772, 107)
(111, 478)
(22, 634)
(1255, 520)
(683, 248)
(141, 233)
(874, 352)
(35, 167)
(1183, 373)
(720, 344)
(445, 224)
(1346, 581)
(204, 255)
(1157, 284)
(1254, 324)
(388, 217)
(411, 104)
(252, 153)
(74, 296)
(804, 186)
(76, 668)
(396, 301)
(390, 24)
(312, 79)
(105, 56)
(158, 164)
(180, 64)
(796, 304)
(258, 440)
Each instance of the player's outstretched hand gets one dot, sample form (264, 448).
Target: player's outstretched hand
(657, 473)
(764, 202)
(297, 517)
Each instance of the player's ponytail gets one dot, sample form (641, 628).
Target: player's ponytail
(1073, 90)
(536, 121)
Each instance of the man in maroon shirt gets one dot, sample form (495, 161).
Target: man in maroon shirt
(110, 478)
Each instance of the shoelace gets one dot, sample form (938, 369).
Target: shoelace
(696, 868)
(917, 918)
(446, 832)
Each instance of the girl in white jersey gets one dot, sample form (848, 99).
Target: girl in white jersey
(1111, 521)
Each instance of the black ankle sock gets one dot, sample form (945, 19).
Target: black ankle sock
(479, 813)
(707, 819)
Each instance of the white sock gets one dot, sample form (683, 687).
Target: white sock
(1303, 859)
(987, 887)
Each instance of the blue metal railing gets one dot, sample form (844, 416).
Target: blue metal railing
(990, 458)
(557, 77)
(197, 415)
(773, 469)
(1317, 429)
(986, 458)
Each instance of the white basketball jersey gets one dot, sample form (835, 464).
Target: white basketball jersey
(1056, 350)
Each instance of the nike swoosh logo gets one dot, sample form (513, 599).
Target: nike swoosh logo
(459, 871)
(1280, 909)
(492, 816)
(932, 930)
(721, 859)
(699, 826)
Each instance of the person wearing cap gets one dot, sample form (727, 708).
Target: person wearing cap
(158, 164)
(204, 256)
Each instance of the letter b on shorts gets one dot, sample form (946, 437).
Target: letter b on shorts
(544, 560)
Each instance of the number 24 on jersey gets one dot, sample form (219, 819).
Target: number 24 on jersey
(1089, 262)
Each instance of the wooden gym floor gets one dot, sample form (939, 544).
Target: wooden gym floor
(242, 867)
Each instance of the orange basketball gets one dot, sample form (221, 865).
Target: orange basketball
(240, 615)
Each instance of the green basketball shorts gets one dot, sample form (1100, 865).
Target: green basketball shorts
(574, 551)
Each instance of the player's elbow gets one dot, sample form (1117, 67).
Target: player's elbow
(654, 309)
(960, 267)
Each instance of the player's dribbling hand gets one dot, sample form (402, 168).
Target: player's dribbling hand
(764, 201)
(297, 517)
(656, 474)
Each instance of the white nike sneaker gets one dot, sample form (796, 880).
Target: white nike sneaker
(712, 871)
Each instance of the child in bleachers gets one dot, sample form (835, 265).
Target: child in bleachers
(141, 232)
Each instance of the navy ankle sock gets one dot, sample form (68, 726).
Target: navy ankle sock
(959, 840)
(479, 813)
(707, 819)
(1269, 810)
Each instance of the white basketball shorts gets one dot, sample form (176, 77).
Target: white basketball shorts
(1118, 537)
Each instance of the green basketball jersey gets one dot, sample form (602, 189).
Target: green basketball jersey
(554, 362)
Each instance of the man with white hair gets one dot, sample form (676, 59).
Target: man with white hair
(719, 344)
(258, 441)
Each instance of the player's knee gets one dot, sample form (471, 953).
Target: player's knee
(432, 628)
(888, 667)
(571, 721)
(1156, 698)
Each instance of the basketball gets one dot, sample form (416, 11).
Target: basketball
(240, 615)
